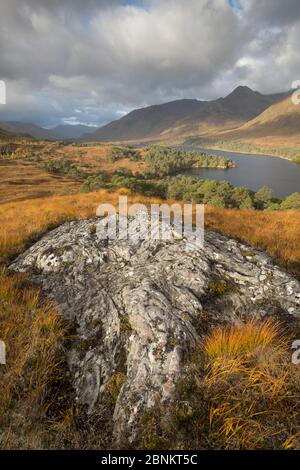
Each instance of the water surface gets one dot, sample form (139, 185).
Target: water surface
(253, 172)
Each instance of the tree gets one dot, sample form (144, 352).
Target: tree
(242, 198)
(291, 202)
(273, 206)
(297, 159)
(263, 197)
(217, 201)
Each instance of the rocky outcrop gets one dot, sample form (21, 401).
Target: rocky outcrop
(141, 306)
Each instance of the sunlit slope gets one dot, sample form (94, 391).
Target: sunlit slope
(281, 120)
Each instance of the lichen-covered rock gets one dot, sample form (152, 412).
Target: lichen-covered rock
(141, 306)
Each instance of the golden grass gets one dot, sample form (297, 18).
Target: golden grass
(95, 157)
(252, 388)
(23, 176)
(240, 391)
(240, 341)
(23, 221)
(21, 180)
(31, 331)
(278, 233)
(275, 232)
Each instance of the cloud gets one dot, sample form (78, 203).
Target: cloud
(104, 58)
(272, 12)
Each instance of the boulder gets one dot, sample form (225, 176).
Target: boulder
(141, 306)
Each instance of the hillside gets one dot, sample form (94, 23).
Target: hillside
(28, 129)
(276, 131)
(61, 132)
(280, 119)
(9, 137)
(5, 135)
(187, 117)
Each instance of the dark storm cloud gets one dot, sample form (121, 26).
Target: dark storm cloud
(94, 60)
(274, 12)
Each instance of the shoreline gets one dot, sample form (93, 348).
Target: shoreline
(259, 154)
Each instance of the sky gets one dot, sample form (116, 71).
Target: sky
(92, 61)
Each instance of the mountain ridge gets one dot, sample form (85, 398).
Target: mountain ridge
(27, 129)
(60, 132)
(278, 127)
(173, 121)
(282, 117)
(187, 117)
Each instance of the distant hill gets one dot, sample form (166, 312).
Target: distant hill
(66, 131)
(187, 117)
(62, 132)
(5, 135)
(28, 129)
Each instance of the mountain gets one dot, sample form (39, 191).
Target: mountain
(5, 135)
(66, 131)
(187, 117)
(280, 119)
(28, 129)
(61, 132)
(276, 131)
(242, 112)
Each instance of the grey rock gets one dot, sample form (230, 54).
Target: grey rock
(141, 306)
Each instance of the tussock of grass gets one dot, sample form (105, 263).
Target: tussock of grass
(241, 391)
(241, 341)
(253, 388)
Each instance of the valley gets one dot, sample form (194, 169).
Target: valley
(31, 169)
